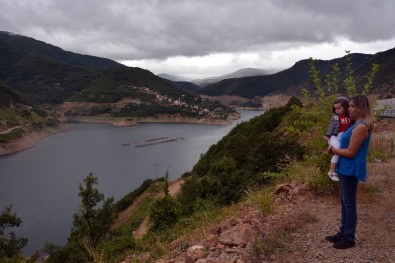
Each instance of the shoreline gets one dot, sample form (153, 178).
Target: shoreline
(29, 140)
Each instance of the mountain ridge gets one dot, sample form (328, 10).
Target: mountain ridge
(49, 74)
(42, 48)
(293, 79)
(243, 72)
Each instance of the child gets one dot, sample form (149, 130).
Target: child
(339, 123)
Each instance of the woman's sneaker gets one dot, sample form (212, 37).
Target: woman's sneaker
(333, 176)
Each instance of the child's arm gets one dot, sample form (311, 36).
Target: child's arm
(333, 127)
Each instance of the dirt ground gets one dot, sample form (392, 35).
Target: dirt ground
(376, 218)
(375, 229)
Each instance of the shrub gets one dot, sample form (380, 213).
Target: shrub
(164, 213)
(40, 111)
(52, 122)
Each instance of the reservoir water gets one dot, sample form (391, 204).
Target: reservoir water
(42, 183)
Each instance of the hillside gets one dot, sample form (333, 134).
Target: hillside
(291, 80)
(23, 121)
(42, 49)
(294, 230)
(187, 86)
(288, 81)
(48, 74)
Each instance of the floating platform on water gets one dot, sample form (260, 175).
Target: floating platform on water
(157, 141)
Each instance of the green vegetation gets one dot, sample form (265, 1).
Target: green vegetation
(164, 212)
(239, 160)
(20, 115)
(128, 199)
(90, 224)
(10, 244)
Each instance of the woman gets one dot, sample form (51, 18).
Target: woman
(351, 168)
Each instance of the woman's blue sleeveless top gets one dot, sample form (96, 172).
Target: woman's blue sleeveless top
(355, 166)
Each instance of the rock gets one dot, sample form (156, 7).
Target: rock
(194, 253)
(282, 188)
(239, 235)
(319, 255)
(233, 221)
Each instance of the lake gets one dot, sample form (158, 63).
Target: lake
(42, 183)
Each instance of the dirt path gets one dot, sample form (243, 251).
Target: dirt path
(10, 130)
(174, 188)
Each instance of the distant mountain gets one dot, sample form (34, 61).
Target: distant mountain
(174, 78)
(244, 72)
(42, 49)
(187, 86)
(195, 85)
(293, 79)
(48, 74)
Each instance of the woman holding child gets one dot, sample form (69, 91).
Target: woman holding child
(351, 168)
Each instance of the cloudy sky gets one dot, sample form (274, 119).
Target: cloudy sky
(205, 38)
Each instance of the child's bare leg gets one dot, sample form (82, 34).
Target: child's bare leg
(333, 167)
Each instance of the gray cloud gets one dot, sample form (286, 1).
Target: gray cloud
(154, 29)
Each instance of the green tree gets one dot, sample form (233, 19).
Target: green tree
(91, 223)
(10, 245)
(164, 212)
(371, 77)
(294, 102)
(349, 81)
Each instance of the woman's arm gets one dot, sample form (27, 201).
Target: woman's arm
(358, 135)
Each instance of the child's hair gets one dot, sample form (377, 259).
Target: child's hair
(343, 101)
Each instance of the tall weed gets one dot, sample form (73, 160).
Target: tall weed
(382, 146)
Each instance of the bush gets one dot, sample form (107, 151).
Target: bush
(52, 122)
(25, 113)
(40, 111)
(294, 101)
(38, 126)
(164, 213)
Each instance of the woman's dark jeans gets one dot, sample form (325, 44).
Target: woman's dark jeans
(348, 194)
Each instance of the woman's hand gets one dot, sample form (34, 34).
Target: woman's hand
(330, 149)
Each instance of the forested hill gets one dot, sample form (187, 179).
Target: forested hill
(290, 80)
(293, 79)
(42, 49)
(47, 74)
